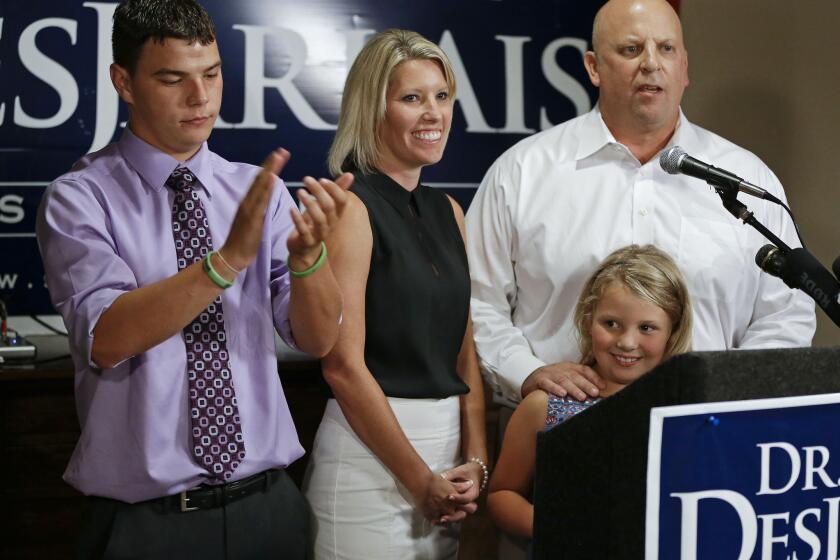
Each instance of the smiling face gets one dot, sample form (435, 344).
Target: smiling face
(629, 336)
(173, 95)
(639, 64)
(418, 114)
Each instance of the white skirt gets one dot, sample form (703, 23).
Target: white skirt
(360, 510)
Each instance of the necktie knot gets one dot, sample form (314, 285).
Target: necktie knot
(182, 179)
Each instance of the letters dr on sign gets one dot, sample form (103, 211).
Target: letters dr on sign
(745, 479)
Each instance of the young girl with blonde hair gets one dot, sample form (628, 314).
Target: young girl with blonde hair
(633, 313)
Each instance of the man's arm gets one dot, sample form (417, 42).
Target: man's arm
(83, 272)
(505, 354)
(316, 301)
(144, 317)
(781, 317)
(507, 360)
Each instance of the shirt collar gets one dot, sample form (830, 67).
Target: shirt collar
(595, 135)
(684, 136)
(394, 193)
(155, 167)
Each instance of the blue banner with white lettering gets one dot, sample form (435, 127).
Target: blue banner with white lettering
(518, 65)
(745, 480)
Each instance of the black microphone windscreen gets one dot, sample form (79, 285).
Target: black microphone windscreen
(670, 159)
(812, 277)
(770, 260)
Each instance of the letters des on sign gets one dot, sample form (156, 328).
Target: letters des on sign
(761, 481)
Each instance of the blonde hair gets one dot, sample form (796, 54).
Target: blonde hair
(356, 143)
(651, 275)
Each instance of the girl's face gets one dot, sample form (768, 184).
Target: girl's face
(629, 336)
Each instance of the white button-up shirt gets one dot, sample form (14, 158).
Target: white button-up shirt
(558, 202)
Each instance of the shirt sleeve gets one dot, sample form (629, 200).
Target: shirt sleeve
(505, 354)
(280, 283)
(83, 271)
(782, 317)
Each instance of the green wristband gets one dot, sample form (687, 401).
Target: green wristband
(318, 264)
(215, 276)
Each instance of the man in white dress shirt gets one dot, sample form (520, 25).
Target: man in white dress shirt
(554, 205)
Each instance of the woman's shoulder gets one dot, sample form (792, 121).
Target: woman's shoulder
(354, 225)
(372, 188)
(361, 183)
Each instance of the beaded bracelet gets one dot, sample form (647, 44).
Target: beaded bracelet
(215, 276)
(486, 472)
(314, 267)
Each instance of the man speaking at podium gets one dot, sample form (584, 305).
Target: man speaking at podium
(172, 268)
(555, 204)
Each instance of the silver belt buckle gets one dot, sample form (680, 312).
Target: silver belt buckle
(184, 501)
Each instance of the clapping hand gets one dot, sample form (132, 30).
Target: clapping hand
(324, 201)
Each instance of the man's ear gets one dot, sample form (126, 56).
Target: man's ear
(590, 62)
(121, 79)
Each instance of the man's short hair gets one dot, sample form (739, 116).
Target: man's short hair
(135, 21)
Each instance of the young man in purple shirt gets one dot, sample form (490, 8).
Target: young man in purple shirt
(172, 267)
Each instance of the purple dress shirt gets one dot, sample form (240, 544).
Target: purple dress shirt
(104, 229)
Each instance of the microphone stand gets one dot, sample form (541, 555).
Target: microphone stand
(729, 197)
(828, 303)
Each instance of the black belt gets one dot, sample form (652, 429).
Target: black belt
(209, 497)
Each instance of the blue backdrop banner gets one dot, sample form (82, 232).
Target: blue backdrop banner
(518, 65)
(745, 480)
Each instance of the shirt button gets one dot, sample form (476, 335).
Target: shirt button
(643, 212)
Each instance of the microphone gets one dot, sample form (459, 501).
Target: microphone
(771, 260)
(800, 270)
(675, 160)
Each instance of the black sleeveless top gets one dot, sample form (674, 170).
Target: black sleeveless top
(418, 289)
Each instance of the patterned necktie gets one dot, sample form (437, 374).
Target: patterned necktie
(218, 444)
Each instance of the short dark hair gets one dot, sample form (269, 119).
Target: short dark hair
(135, 21)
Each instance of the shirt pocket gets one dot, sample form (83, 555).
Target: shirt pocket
(712, 258)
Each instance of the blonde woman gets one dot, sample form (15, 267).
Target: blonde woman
(400, 455)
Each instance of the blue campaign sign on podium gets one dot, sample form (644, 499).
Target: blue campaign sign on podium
(745, 480)
(518, 64)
